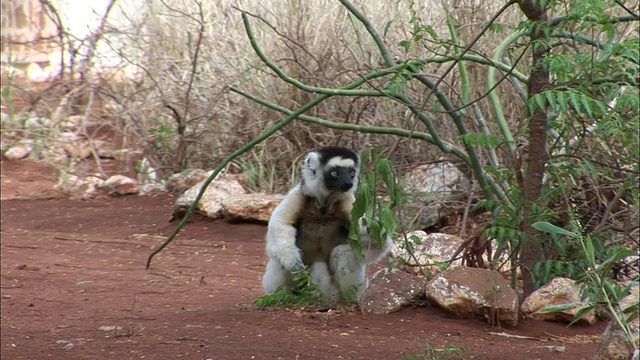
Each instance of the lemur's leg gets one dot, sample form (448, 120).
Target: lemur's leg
(348, 270)
(320, 275)
(274, 276)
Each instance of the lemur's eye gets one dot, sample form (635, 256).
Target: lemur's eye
(352, 173)
(334, 174)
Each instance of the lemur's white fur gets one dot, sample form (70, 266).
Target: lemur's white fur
(345, 270)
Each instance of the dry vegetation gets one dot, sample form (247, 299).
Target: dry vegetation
(167, 91)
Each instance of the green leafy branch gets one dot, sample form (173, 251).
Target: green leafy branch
(597, 277)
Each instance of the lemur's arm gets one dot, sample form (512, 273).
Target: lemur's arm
(372, 250)
(281, 231)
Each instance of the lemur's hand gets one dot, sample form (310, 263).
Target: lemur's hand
(363, 229)
(291, 260)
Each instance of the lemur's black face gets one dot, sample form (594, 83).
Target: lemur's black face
(339, 178)
(339, 168)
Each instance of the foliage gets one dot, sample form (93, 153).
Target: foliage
(449, 352)
(598, 286)
(305, 292)
(263, 175)
(376, 173)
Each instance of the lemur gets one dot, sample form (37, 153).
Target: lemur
(310, 228)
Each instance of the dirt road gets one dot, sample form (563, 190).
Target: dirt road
(74, 286)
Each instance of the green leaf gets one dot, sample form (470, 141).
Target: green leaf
(415, 239)
(386, 27)
(387, 219)
(405, 45)
(82, 282)
(556, 308)
(581, 313)
(590, 252)
(619, 255)
(552, 229)
(586, 103)
(432, 32)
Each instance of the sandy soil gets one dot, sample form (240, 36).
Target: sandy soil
(74, 286)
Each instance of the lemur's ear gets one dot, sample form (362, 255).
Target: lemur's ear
(312, 162)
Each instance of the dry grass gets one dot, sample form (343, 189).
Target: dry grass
(168, 90)
(177, 59)
(315, 42)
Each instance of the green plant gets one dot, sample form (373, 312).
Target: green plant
(598, 286)
(7, 95)
(449, 352)
(305, 293)
(376, 174)
(266, 176)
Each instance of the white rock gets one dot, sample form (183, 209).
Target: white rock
(121, 185)
(54, 155)
(78, 148)
(75, 187)
(558, 291)
(110, 328)
(211, 203)
(442, 178)
(615, 345)
(250, 207)
(37, 123)
(187, 179)
(73, 122)
(95, 180)
(20, 150)
(428, 188)
(466, 291)
(67, 136)
(152, 189)
(391, 291)
(430, 250)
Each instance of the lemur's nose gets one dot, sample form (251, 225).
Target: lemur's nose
(346, 186)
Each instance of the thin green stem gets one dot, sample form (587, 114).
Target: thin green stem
(456, 116)
(384, 52)
(464, 84)
(302, 86)
(359, 128)
(498, 110)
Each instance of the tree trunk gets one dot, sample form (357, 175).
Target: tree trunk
(531, 251)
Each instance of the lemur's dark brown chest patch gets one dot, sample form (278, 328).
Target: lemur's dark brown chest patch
(320, 228)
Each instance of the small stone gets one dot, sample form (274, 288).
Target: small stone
(466, 291)
(186, 179)
(558, 291)
(121, 185)
(19, 151)
(250, 207)
(211, 203)
(390, 291)
(110, 328)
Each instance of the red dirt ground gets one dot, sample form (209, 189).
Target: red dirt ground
(71, 267)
